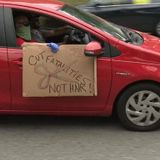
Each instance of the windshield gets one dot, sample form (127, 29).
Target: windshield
(95, 21)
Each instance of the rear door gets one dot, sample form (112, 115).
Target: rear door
(5, 98)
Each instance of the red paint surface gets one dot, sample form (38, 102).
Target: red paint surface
(137, 63)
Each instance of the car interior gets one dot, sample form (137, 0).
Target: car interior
(47, 25)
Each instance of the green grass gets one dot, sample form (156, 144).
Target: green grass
(75, 2)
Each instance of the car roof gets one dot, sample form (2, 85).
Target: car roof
(54, 4)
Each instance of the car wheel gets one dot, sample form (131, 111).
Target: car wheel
(157, 29)
(138, 107)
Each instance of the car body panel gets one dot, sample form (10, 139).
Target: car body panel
(5, 94)
(48, 4)
(134, 64)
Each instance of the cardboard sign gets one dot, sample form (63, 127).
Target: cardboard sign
(65, 73)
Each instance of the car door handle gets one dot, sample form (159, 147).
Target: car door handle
(18, 62)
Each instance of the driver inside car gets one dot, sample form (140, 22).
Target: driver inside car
(29, 31)
(23, 30)
(41, 35)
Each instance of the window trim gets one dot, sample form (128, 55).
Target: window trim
(2, 28)
(9, 28)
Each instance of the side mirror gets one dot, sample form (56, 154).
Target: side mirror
(93, 48)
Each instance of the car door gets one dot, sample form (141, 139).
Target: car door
(54, 104)
(5, 94)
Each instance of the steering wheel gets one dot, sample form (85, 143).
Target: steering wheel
(76, 36)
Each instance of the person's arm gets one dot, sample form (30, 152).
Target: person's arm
(56, 32)
(19, 42)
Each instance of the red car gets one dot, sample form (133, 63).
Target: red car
(128, 66)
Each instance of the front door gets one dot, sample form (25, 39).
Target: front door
(57, 104)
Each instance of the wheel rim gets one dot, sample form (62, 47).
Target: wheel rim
(143, 108)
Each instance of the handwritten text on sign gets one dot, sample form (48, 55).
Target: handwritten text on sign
(66, 73)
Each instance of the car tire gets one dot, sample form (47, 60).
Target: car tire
(138, 107)
(157, 29)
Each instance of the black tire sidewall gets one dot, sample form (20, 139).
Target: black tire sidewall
(121, 104)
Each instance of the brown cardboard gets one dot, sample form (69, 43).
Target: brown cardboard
(67, 73)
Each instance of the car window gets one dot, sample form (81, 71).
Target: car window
(42, 28)
(28, 26)
(97, 22)
(9, 28)
(34, 27)
(2, 33)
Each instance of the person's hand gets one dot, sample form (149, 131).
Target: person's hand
(66, 28)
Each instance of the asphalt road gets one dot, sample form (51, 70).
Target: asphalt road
(68, 138)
